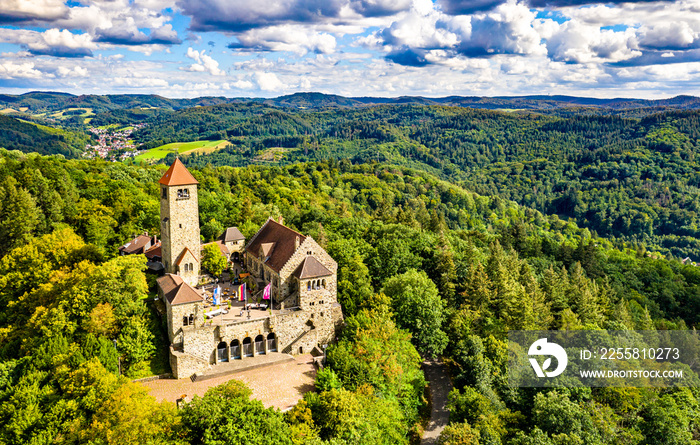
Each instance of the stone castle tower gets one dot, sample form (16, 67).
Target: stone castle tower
(179, 223)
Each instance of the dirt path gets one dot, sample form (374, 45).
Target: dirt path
(280, 385)
(440, 386)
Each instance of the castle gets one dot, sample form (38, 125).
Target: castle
(305, 312)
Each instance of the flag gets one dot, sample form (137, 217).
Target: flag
(242, 292)
(217, 292)
(266, 292)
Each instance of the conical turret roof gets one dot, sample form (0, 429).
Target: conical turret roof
(177, 174)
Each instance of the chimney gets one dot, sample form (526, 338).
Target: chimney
(296, 242)
(145, 233)
(280, 219)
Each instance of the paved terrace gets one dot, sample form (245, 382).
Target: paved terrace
(278, 385)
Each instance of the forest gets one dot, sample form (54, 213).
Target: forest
(624, 169)
(628, 179)
(426, 267)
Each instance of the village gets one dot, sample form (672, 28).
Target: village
(113, 145)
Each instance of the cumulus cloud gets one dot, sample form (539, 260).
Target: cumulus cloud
(12, 70)
(292, 38)
(243, 15)
(269, 82)
(76, 71)
(53, 42)
(203, 63)
(573, 41)
(414, 39)
(15, 12)
(131, 35)
(457, 7)
(677, 35)
(506, 30)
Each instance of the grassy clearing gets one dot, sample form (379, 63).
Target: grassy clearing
(64, 114)
(273, 154)
(181, 148)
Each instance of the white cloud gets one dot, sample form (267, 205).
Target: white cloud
(25, 70)
(51, 42)
(243, 85)
(203, 63)
(77, 71)
(32, 10)
(269, 82)
(292, 38)
(573, 41)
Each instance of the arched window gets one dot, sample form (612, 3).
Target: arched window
(308, 285)
(323, 283)
(191, 267)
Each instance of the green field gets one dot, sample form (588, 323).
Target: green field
(181, 147)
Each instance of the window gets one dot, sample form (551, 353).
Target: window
(164, 193)
(181, 226)
(323, 283)
(185, 321)
(308, 285)
(183, 193)
(191, 267)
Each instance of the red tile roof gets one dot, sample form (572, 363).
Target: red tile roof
(136, 245)
(154, 251)
(177, 174)
(278, 243)
(311, 268)
(176, 291)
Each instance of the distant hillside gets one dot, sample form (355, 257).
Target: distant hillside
(18, 135)
(43, 102)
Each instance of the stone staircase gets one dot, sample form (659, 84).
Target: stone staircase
(290, 347)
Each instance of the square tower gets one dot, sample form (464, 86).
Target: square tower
(179, 223)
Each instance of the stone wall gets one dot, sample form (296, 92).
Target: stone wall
(184, 365)
(182, 227)
(175, 322)
(199, 346)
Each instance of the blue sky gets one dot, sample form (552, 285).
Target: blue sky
(266, 48)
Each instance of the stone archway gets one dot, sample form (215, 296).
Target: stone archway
(235, 349)
(247, 347)
(221, 352)
(259, 345)
(271, 342)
